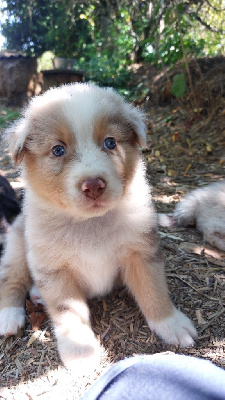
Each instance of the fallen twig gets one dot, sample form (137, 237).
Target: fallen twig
(212, 320)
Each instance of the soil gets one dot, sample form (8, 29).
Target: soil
(185, 151)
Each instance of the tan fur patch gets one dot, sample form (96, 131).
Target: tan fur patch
(144, 276)
(126, 153)
(76, 246)
(114, 126)
(47, 126)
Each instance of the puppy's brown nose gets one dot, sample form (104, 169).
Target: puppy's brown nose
(93, 188)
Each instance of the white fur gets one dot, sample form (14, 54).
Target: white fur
(78, 348)
(93, 246)
(35, 295)
(77, 246)
(94, 104)
(176, 329)
(2, 239)
(92, 164)
(73, 97)
(205, 207)
(12, 319)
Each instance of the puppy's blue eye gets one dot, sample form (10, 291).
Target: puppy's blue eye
(58, 150)
(110, 143)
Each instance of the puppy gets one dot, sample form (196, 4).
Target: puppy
(87, 220)
(9, 207)
(206, 208)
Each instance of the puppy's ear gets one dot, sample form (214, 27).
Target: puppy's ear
(137, 121)
(16, 136)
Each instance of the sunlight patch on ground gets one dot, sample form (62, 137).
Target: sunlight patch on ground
(55, 384)
(165, 198)
(207, 250)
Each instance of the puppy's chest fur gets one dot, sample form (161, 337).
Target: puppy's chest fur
(93, 249)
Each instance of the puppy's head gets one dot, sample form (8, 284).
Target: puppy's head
(79, 147)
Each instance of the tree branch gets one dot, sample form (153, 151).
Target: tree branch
(209, 27)
(214, 8)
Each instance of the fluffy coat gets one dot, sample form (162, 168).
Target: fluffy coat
(88, 221)
(204, 207)
(9, 207)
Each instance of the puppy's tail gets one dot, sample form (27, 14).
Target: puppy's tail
(184, 213)
(186, 210)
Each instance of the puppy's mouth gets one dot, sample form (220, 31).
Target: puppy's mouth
(96, 207)
(95, 203)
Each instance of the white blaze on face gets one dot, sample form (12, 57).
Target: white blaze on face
(81, 113)
(78, 119)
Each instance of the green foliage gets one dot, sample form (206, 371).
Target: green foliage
(39, 26)
(179, 85)
(45, 61)
(107, 36)
(7, 116)
(169, 49)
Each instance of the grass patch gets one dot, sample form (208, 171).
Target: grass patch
(7, 116)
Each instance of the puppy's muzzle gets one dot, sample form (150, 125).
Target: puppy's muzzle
(93, 187)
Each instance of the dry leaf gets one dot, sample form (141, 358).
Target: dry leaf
(214, 256)
(175, 137)
(172, 173)
(36, 320)
(30, 307)
(37, 314)
(208, 148)
(175, 110)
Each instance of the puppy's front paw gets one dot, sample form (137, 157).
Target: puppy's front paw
(11, 320)
(177, 329)
(79, 350)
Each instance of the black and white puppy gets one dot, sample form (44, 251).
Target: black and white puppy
(9, 206)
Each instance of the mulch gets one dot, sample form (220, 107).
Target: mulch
(183, 153)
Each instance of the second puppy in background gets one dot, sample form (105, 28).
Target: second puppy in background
(204, 207)
(9, 207)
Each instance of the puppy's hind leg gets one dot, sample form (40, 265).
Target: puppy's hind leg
(14, 280)
(214, 232)
(144, 275)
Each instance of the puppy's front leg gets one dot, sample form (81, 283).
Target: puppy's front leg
(15, 280)
(144, 274)
(65, 301)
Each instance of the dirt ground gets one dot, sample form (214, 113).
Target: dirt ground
(184, 152)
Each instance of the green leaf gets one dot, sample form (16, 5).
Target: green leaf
(180, 8)
(179, 85)
(7, 116)
(167, 16)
